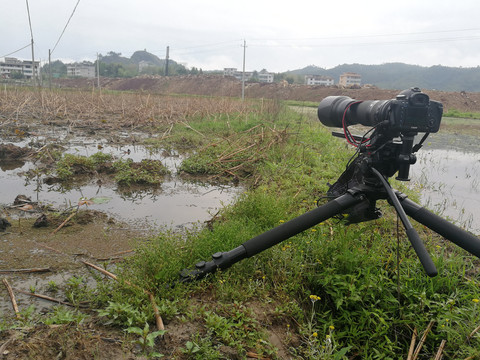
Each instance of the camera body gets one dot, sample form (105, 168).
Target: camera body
(411, 111)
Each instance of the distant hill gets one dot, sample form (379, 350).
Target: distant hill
(138, 56)
(144, 55)
(115, 58)
(401, 76)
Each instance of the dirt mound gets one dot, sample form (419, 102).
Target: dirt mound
(215, 85)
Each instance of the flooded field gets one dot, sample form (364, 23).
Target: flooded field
(176, 202)
(447, 174)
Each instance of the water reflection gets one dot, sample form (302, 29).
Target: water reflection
(447, 173)
(174, 203)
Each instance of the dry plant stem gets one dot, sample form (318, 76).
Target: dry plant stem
(105, 272)
(111, 259)
(189, 127)
(63, 223)
(12, 298)
(412, 344)
(33, 270)
(438, 356)
(422, 340)
(473, 333)
(50, 248)
(44, 297)
(255, 356)
(123, 252)
(158, 318)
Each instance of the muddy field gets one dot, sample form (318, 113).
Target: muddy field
(220, 86)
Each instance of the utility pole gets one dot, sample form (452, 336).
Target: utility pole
(166, 60)
(49, 69)
(33, 67)
(243, 72)
(33, 55)
(98, 72)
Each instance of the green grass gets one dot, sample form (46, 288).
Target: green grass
(125, 172)
(453, 113)
(302, 103)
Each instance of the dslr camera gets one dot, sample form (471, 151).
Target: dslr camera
(411, 111)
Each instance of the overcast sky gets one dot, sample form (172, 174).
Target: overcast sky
(280, 35)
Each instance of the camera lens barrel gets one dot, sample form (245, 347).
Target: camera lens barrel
(330, 110)
(369, 113)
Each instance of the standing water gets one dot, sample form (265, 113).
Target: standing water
(175, 203)
(447, 174)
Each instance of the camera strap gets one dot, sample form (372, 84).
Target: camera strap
(420, 144)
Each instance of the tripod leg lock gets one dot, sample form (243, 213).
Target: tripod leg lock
(220, 260)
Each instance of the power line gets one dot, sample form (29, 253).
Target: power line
(13, 52)
(33, 55)
(364, 36)
(73, 12)
(29, 20)
(374, 43)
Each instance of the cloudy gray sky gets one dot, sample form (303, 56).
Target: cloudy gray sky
(280, 35)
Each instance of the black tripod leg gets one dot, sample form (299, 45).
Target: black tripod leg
(412, 234)
(223, 260)
(458, 236)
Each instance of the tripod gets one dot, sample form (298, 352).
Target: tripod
(355, 192)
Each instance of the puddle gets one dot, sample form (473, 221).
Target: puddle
(447, 173)
(176, 203)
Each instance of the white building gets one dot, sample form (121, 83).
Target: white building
(350, 79)
(263, 76)
(229, 71)
(318, 80)
(85, 69)
(14, 65)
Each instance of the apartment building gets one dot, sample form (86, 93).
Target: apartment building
(262, 76)
(85, 70)
(11, 65)
(265, 77)
(318, 80)
(350, 79)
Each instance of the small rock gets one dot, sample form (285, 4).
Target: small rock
(4, 224)
(41, 221)
(22, 199)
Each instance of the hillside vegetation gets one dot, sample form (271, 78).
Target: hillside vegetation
(400, 76)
